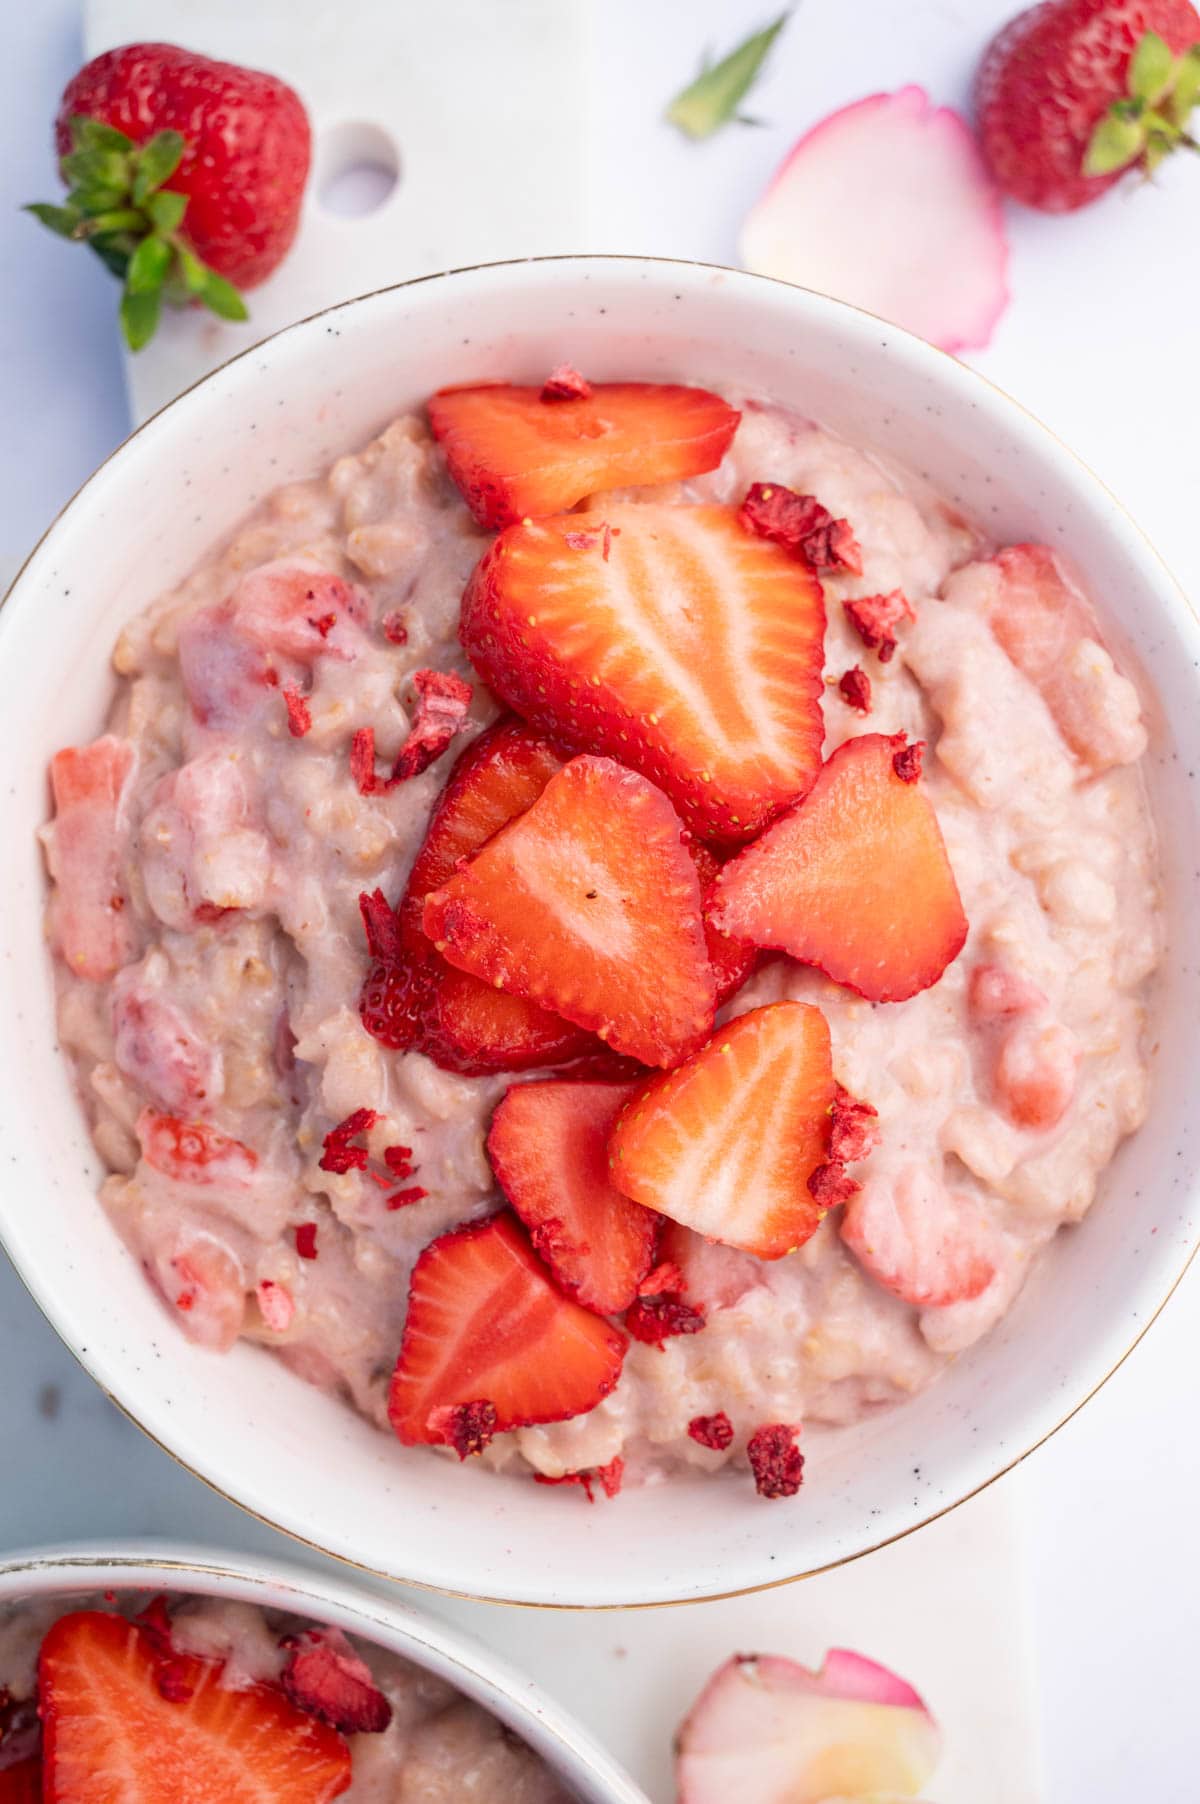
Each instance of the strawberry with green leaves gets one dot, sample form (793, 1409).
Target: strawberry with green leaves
(1073, 93)
(185, 176)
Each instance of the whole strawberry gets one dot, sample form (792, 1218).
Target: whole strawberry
(1074, 92)
(185, 176)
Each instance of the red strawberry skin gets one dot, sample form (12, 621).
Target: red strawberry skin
(485, 1324)
(1045, 82)
(669, 638)
(515, 454)
(114, 1736)
(549, 1149)
(248, 146)
(415, 1000)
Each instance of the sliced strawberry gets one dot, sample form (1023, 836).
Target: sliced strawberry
(486, 1324)
(675, 641)
(855, 880)
(549, 1149)
(113, 1737)
(194, 1152)
(21, 1784)
(516, 452)
(589, 905)
(732, 960)
(412, 998)
(727, 1143)
(94, 933)
(923, 1244)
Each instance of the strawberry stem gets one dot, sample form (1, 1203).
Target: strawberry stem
(116, 204)
(713, 99)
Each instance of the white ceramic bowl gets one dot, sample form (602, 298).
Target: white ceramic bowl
(67, 1575)
(304, 1462)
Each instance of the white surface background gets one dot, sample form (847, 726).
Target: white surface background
(1099, 342)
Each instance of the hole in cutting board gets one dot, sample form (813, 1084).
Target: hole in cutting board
(358, 167)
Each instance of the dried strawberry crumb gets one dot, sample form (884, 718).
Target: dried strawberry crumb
(325, 1677)
(400, 1199)
(610, 1478)
(831, 1184)
(398, 1160)
(854, 1130)
(299, 714)
(907, 761)
(339, 1155)
(802, 526)
(658, 1319)
(442, 702)
(663, 1278)
(379, 924)
(324, 624)
(854, 687)
(874, 618)
(393, 628)
(776, 1460)
(362, 761)
(712, 1431)
(155, 1623)
(565, 384)
(306, 1239)
(467, 1427)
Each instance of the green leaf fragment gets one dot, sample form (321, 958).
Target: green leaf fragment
(166, 209)
(95, 134)
(195, 274)
(62, 220)
(113, 252)
(158, 159)
(713, 99)
(1186, 90)
(120, 219)
(1150, 68)
(97, 199)
(139, 316)
(148, 266)
(96, 169)
(221, 297)
(1114, 144)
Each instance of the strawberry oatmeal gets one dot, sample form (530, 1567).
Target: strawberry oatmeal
(200, 1701)
(606, 929)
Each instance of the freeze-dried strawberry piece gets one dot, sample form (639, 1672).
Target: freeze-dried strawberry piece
(610, 1478)
(484, 1320)
(514, 457)
(467, 1427)
(726, 1143)
(775, 1460)
(442, 702)
(565, 384)
(401, 1199)
(854, 1130)
(656, 1320)
(714, 1431)
(831, 1184)
(340, 1154)
(875, 618)
(908, 760)
(802, 526)
(306, 1240)
(327, 1679)
(854, 879)
(691, 654)
(854, 687)
(299, 714)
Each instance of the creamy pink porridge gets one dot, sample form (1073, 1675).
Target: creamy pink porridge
(339, 1717)
(211, 952)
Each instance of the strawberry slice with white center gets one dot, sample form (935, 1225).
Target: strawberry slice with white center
(549, 1149)
(115, 1733)
(920, 1241)
(855, 880)
(488, 1333)
(727, 1144)
(516, 452)
(589, 905)
(766, 1730)
(671, 638)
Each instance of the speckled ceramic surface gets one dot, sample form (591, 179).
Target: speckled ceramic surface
(516, 1700)
(302, 1461)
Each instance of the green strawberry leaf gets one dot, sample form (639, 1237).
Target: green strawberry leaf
(96, 169)
(120, 219)
(95, 134)
(139, 316)
(166, 210)
(113, 252)
(148, 266)
(222, 298)
(63, 220)
(194, 273)
(1114, 144)
(157, 160)
(1186, 90)
(97, 199)
(1150, 68)
(713, 99)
